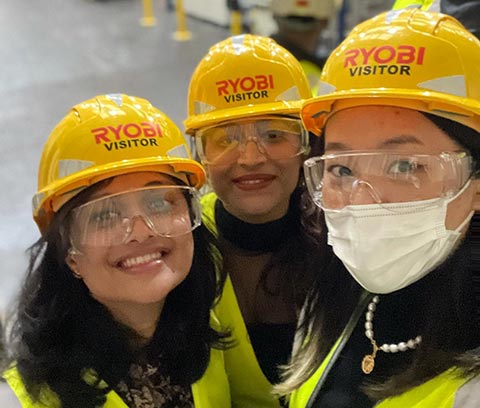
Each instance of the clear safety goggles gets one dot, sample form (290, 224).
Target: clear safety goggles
(340, 179)
(276, 138)
(167, 211)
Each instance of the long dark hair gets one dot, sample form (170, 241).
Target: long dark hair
(58, 331)
(450, 316)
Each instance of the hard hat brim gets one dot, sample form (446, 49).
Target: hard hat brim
(315, 111)
(222, 115)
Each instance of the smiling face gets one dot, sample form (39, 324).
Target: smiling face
(255, 189)
(254, 166)
(145, 267)
(393, 130)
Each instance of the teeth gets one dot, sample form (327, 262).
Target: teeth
(251, 181)
(141, 259)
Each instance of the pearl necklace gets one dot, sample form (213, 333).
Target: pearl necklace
(368, 362)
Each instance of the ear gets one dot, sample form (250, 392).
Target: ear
(476, 198)
(72, 263)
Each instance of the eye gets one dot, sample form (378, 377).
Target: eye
(224, 136)
(158, 205)
(273, 136)
(104, 218)
(403, 167)
(339, 171)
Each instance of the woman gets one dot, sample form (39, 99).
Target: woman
(244, 101)
(115, 308)
(394, 320)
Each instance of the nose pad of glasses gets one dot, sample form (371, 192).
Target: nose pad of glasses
(364, 193)
(251, 149)
(138, 228)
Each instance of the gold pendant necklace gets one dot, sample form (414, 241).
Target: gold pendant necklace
(368, 361)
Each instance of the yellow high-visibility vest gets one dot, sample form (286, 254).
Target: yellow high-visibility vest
(422, 4)
(210, 391)
(249, 387)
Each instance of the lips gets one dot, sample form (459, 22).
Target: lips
(253, 181)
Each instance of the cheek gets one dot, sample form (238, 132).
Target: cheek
(458, 209)
(476, 198)
(91, 260)
(218, 177)
(184, 256)
(291, 173)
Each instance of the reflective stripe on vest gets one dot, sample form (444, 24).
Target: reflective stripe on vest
(469, 395)
(248, 385)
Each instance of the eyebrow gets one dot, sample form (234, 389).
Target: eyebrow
(156, 183)
(393, 141)
(401, 140)
(336, 146)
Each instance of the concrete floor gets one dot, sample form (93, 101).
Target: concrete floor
(57, 53)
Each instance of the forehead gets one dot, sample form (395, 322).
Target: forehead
(385, 127)
(132, 181)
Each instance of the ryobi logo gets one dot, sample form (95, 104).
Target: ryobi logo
(127, 135)
(245, 88)
(386, 59)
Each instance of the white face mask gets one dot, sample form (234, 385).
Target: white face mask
(387, 247)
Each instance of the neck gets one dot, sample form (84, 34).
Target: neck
(266, 237)
(141, 318)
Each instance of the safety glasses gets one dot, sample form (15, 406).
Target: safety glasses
(340, 179)
(275, 137)
(166, 211)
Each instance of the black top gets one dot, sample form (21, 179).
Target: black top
(391, 324)
(265, 237)
(272, 343)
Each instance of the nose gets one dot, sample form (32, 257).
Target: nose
(251, 153)
(363, 193)
(140, 229)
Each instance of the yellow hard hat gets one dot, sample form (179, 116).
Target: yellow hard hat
(244, 76)
(407, 58)
(107, 136)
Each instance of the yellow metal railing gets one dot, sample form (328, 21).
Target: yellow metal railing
(148, 18)
(182, 33)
